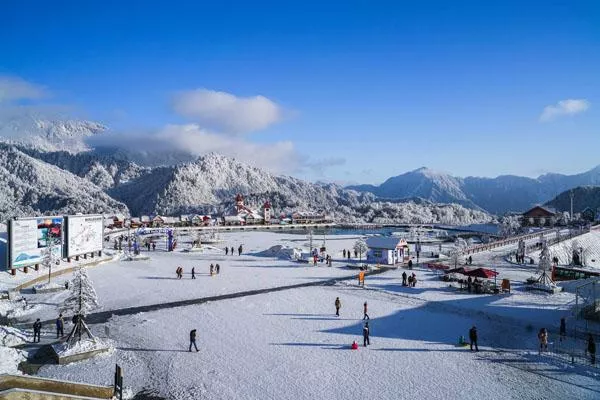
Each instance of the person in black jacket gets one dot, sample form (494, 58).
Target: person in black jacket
(338, 305)
(193, 340)
(563, 329)
(591, 348)
(193, 272)
(37, 330)
(404, 279)
(366, 335)
(473, 338)
(60, 324)
(240, 249)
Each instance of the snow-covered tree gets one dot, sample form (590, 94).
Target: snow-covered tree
(360, 247)
(545, 258)
(510, 225)
(456, 252)
(81, 300)
(49, 258)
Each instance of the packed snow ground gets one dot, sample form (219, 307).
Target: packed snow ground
(290, 345)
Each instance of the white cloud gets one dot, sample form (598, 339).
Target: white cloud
(319, 166)
(564, 107)
(13, 88)
(225, 112)
(278, 157)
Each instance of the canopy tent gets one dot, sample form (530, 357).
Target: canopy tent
(459, 270)
(438, 266)
(484, 273)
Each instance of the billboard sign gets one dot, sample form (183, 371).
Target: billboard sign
(83, 234)
(29, 237)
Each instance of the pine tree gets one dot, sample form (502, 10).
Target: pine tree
(81, 300)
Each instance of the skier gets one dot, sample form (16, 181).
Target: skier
(404, 279)
(60, 323)
(193, 272)
(240, 250)
(37, 330)
(543, 338)
(591, 348)
(193, 340)
(226, 251)
(563, 329)
(365, 315)
(217, 268)
(212, 269)
(344, 253)
(473, 338)
(366, 340)
(338, 305)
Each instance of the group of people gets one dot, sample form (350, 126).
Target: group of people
(240, 249)
(409, 280)
(347, 254)
(60, 328)
(366, 331)
(213, 269)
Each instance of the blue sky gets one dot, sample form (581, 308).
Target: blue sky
(351, 91)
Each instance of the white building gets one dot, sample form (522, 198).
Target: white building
(386, 250)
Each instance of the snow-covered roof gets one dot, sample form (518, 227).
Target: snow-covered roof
(145, 218)
(232, 218)
(388, 243)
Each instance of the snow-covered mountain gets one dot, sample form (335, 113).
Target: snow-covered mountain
(33, 187)
(103, 170)
(48, 135)
(211, 183)
(495, 195)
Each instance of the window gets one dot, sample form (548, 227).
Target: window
(377, 253)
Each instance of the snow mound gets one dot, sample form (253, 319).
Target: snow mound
(11, 337)
(10, 360)
(83, 346)
(282, 252)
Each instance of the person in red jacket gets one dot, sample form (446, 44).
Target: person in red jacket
(354, 345)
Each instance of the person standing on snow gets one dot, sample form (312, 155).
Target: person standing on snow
(563, 329)
(404, 279)
(37, 330)
(473, 338)
(60, 324)
(365, 315)
(217, 268)
(231, 250)
(366, 340)
(338, 305)
(193, 272)
(344, 253)
(226, 251)
(193, 340)
(543, 338)
(240, 250)
(591, 348)
(212, 269)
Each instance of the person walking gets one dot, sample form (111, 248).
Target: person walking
(60, 325)
(217, 268)
(543, 338)
(404, 279)
(226, 251)
(591, 348)
(193, 340)
(37, 330)
(338, 305)
(365, 315)
(473, 338)
(563, 329)
(193, 272)
(240, 250)
(366, 334)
